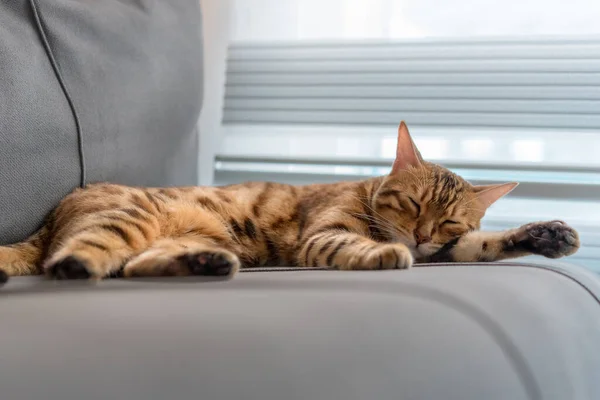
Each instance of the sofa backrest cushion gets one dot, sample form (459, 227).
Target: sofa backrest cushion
(120, 78)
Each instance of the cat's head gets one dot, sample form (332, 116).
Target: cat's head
(424, 205)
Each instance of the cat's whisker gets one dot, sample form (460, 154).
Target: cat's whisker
(377, 217)
(392, 231)
(387, 228)
(380, 223)
(373, 220)
(369, 218)
(364, 203)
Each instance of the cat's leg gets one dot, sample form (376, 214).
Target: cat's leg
(183, 256)
(22, 258)
(98, 245)
(551, 239)
(18, 260)
(351, 251)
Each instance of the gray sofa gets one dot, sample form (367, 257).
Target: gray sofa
(94, 91)
(111, 90)
(457, 332)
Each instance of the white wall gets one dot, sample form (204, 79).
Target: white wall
(376, 19)
(217, 17)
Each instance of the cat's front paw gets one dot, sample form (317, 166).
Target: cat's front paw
(552, 239)
(382, 256)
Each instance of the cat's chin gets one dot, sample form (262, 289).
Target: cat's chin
(425, 250)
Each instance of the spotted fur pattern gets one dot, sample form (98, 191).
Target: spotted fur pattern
(420, 212)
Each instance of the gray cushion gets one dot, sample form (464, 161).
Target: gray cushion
(132, 69)
(456, 332)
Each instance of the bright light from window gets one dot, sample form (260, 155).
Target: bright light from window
(388, 147)
(528, 150)
(402, 19)
(477, 149)
(347, 146)
(432, 148)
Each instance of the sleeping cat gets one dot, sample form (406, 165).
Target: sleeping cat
(419, 212)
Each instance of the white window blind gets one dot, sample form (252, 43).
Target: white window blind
(492, 109)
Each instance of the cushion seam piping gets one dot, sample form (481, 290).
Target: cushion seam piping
(55, 67)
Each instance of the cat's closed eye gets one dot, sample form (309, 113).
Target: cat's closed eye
(412, 205)
(450, 222)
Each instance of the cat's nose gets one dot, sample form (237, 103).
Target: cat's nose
(420, 238)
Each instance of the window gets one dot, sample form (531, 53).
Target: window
(495, 90)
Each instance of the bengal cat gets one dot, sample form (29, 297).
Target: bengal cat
(419, 212)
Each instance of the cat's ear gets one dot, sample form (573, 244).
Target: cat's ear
(407, 154)
(489, 194)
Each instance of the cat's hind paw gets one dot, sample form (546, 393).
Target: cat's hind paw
(552, 239)
(3, 277)
(213, 262)
(68, 268)
(210, 263)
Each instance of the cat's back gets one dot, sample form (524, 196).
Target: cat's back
(256, 198)
(272, 197)
(260, 200)
(97, 196)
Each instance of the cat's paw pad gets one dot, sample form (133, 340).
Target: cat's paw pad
(68, 268)
(3, 277)
(388, 256)
(210, 263)
(552, 239)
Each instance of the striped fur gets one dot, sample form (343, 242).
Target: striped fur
(420, 212)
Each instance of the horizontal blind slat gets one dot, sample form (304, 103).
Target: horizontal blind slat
(421, 118)
(416, 50)
(412, 66)
(419, 105)
(424, 91)
(417, 79)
